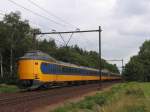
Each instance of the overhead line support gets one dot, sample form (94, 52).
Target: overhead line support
(83, 31)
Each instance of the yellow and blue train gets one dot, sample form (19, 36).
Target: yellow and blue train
(36, 67)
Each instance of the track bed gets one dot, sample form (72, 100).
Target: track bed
(28, 101)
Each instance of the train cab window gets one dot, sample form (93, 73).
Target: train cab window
(44, 68)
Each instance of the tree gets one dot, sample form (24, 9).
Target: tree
(138, 68)
(15, 38)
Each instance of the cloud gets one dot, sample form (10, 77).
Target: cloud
(132, 7)
(125, 23)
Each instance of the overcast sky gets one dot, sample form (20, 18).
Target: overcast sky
(125, 23)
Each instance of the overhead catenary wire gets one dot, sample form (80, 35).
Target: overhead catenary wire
(56, 40)
(30, 22)
(51, 14)
(60, 42)
(35, 13)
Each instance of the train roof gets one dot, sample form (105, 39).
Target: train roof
(76, 66)
(38, 55)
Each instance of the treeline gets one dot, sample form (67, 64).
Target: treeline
(138, 68)
(16, 37)
(75, 55)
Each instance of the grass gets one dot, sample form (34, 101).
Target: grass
(125, 97)
(8, 88)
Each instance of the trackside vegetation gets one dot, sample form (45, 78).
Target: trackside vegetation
(8, 88)
(138, 68)
(125, 97)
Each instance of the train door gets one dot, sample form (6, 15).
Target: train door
(36, 69)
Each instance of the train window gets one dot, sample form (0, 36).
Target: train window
(77, 71)
(71, 70)
(56, 69)
(81, 71)
(93, 72)
(52, 68)
(59, 69)
(88, 72)
(63, 69)
(85, 71)
(74, 70)
(49, 68)
(66, 70)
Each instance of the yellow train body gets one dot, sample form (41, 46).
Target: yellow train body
(47, 70)
(30, 70)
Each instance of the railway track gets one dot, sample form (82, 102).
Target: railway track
(28, 101)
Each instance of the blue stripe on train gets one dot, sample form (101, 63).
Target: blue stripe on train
(47, 68)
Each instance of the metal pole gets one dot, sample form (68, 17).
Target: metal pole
(122, 66)
(11, 52)
(34, 41)
(100, 60)
(1, 64)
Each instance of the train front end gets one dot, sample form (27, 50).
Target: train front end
(28, 69)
